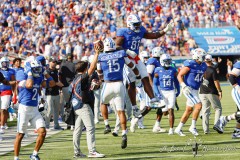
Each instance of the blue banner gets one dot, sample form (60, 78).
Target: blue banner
(217, 41)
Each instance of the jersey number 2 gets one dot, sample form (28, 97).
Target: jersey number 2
(35, 91)
(113, 65)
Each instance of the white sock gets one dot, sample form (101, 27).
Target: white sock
(15, 158)
(124, 132)
(237, 129)
(180, 125)
(106, 122)
(193, 123)
(157, 123)
(35, 153)
(170, 129)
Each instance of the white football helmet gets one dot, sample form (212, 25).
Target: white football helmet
(165, 60)
(198, 54)
(157, 52)
(36, 68)
(109, 44)
(4, 63)
(134, 22)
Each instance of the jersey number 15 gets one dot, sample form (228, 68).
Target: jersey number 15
(113, 65)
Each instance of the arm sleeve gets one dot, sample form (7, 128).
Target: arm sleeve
(150, 68)
(176, 83)
(127, 60)
(99, 66)
(155, 86)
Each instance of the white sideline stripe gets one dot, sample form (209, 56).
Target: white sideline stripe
(10, 134)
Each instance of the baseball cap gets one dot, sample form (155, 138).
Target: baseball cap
(208, 58)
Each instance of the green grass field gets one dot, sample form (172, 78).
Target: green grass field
(143, 144)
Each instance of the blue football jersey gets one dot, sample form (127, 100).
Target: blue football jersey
(29, 97)
(17, 69)
(112, 65)
(132, 39)
(195, 75)
(237, 65)
(7, 75)
(155, 62)
(166, 77)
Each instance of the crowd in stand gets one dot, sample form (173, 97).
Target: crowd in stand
(59, 27)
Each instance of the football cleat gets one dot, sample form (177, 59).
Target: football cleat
(236, 134)
(1, 131)
(133, 124)
(158, 130)
(124, 141)
(34, 157)
(221, 123)
(171, 131)
(137, 113)
(193, 131)
(179, 132)
(107, 129)
(115, 133)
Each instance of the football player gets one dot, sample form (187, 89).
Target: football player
(166, 77)
(190, 78)
(28, 88)
(234, 79)
(130, 38)
(6, 91)
(110, 69)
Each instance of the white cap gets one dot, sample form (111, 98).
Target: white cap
(208, 58)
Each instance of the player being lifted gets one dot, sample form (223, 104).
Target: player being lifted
(234, 79)
(130, 38)
(166, 77)
(190, 78)
(110, 69)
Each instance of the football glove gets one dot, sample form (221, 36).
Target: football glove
(169, 27)
(186, 89)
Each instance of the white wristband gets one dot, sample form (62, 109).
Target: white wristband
(131, 53)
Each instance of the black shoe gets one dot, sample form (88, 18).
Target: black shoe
(124, 141)
(107, 129)
(79, 155)
(115, 134)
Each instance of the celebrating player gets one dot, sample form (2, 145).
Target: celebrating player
(130, 38)
(6, 90)
(29, 86)
(110, 68)
(166, 77)
(223, 120)
(190, 78)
